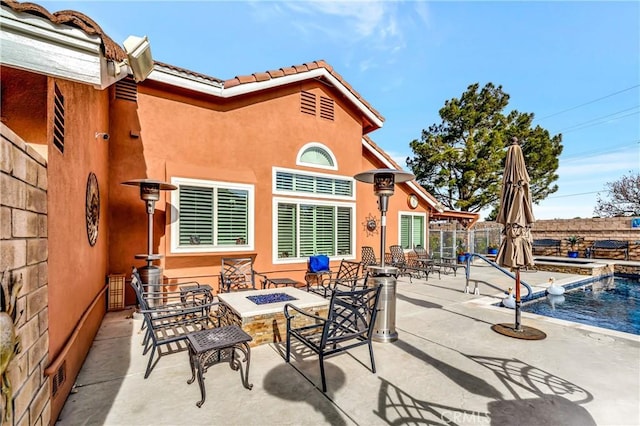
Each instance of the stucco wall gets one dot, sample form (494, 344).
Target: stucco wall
(238, 140)
(77, 270)
(24, 252)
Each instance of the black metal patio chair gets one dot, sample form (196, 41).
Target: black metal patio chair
(349, 323)
(368, 257)
(346, 278)
(167, 326)
(237, 274)
(406, 267)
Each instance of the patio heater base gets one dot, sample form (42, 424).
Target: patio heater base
(151, 277)
(527, 333)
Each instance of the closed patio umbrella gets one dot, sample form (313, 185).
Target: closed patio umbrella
(516, 214)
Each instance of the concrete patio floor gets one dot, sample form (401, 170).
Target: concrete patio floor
(447, 367)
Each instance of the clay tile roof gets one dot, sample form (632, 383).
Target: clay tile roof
(74, 19)
(296, 69)
(275, 73)
(185, 71)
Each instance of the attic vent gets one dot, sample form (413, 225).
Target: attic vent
(127, 90)
(326, 108)
(59, 378)
(308, 103)
(58, 119)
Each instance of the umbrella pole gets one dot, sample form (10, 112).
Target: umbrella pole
(518, 301)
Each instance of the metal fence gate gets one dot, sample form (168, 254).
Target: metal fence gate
(445, 241)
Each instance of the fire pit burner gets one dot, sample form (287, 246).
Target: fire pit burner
(263, 299)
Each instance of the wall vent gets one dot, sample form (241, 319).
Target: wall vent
(127, 90)
(308, 103)
(58, 119)
(59, 378)
(326, 108)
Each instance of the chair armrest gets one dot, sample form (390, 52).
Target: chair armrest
(297, 310)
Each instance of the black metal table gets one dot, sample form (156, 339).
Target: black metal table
(215, 345)
(276, 282)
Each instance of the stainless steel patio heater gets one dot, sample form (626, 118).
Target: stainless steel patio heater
(383, 181)
(150, 274)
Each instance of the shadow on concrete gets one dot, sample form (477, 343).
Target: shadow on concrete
(467, 381)
(418, 302)
(278, 383)
(521, 378)
(397, 407)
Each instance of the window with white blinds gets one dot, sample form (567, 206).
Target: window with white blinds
(412, 230)
(306, 228)
(212, 216)
(325, 186)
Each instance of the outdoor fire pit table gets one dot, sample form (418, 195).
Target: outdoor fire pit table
(260, 313)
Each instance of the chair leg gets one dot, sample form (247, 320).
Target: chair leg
(324, 382)
(288, 346)
(373, 363)
(149, 364)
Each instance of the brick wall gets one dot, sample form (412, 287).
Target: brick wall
(23, 254)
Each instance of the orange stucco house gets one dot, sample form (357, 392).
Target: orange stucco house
(263, 166)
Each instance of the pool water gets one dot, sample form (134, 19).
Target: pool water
(612, 303)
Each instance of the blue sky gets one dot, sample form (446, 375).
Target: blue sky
(576, 65)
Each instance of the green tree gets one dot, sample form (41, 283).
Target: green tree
(623, 199)
(460, 160)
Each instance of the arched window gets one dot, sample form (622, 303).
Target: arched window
(316, 155)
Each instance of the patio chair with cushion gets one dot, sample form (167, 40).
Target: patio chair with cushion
(349, 323)
(345, 279)
(237, 274)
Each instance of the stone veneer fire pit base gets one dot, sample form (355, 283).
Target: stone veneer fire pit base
(266, 323)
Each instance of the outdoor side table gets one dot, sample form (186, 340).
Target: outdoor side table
(215, 345)
(277, 282)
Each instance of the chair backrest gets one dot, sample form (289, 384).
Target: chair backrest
(348, 271)
(237, 274)
(397, 255)
(352, 315)
(137, 285)
(368, 256)
(421, 253)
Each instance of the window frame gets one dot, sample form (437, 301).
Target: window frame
(319, 145)
(313, 202)
(412, 214)
(174, 215)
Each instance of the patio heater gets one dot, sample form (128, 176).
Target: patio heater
(151, 275)
(383, 181)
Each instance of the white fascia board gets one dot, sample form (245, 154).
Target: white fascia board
(185, 81)
(410, 183)
(36, 44)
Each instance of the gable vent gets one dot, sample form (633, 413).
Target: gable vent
(59, 378)
(127, 90)
(58, 119)
(326, 108)
(308, 103)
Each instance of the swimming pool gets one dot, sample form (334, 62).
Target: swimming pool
(612, 303)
